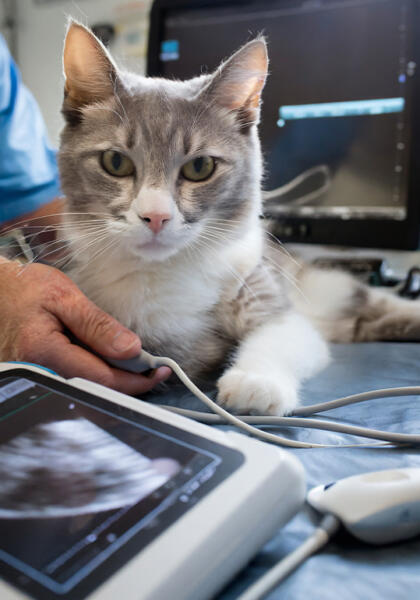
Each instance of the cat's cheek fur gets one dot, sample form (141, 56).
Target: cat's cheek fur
(270, 364)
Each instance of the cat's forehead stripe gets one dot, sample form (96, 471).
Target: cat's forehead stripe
(131, 137)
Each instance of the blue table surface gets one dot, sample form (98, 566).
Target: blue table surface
(346, 567)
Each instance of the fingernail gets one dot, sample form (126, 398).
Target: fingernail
(164, 373)
(124, 341)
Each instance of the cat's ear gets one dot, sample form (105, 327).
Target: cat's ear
(238, 83)
(88, 67)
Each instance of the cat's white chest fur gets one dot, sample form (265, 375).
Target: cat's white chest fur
(169, 305)
(155, 307)
(172, 303)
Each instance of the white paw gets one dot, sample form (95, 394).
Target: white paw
(243, 392)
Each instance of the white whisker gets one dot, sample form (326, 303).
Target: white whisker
(229, 267)
(73, 255)
(275, 266)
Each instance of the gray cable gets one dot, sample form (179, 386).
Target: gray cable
(227, 416)
(376, 434)
(245, 423)
(354, 398)
(281, 570)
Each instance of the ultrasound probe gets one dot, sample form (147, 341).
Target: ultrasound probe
(378, 508)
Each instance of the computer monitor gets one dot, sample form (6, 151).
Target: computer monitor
(340, 124)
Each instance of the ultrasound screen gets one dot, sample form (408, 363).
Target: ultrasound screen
(336, 107)
(86, 484)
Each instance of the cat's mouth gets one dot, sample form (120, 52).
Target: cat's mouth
(160, 247)
(155, 249)
(151, 245)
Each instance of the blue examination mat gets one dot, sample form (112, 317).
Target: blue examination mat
(346, 568)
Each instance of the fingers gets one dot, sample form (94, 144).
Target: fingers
(91, 325)
(37, 301)
(69, 360)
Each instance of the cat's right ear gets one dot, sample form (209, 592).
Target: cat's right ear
(89, 71)
(237, 84)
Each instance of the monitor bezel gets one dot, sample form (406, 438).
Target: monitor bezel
(368, 233)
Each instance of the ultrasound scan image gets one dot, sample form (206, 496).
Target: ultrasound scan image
(67, 483)
(73, 467)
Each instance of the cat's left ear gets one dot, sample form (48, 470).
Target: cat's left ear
(88, 67)
(238, 83)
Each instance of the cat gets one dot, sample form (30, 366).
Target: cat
(162, 181)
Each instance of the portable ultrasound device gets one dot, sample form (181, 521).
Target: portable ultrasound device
(182, 507)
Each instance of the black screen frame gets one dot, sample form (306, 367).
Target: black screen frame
(362, 233)
(232, 460)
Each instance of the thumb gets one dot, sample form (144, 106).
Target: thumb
(95, 328)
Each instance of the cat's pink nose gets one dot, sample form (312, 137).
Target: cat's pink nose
(155, 221)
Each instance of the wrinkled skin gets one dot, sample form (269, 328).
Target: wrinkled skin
(37, 304)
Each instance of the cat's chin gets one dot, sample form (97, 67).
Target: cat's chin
(155, 251)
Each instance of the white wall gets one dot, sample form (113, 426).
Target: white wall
(2, 30)
(41, 28)
(7, 13)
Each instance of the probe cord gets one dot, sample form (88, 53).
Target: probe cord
(246, 423)
(376, 434)
(282, 569)
(355, 398)
(156, 361)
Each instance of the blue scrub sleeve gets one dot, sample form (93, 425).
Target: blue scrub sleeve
(28, 166)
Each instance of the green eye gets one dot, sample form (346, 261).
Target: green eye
(117, 164)
(199, 169)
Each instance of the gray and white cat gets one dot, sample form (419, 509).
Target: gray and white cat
(162, 180)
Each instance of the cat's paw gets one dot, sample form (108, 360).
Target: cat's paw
(243, 392)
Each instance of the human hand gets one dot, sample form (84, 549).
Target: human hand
(37, 304)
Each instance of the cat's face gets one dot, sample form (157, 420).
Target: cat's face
(164, 164)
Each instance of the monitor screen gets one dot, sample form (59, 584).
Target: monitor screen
(86, 484)
(336, 117)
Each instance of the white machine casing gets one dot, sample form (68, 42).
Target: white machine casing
(377, 507)
(196, 556)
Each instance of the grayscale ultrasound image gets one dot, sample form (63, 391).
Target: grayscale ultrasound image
(72, 467)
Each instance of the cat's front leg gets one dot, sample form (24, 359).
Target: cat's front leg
(270, 364)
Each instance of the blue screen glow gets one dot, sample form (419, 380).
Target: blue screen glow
(340, 109)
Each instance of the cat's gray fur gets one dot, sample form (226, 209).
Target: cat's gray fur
(213, 290)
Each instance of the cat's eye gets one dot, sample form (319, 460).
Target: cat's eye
(117, 164)
(199, 169)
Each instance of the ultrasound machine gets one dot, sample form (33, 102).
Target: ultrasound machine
(197, 506)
